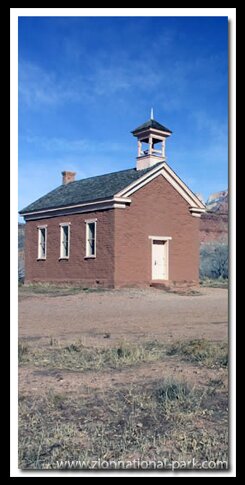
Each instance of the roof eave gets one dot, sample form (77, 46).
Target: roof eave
(89, 205)
(166, 130)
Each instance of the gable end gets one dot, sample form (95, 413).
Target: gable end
(196, 207)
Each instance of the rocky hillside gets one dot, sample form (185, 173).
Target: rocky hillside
(214, 223)
(218, 202)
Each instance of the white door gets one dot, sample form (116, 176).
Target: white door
(159, 260)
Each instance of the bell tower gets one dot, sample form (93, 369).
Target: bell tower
(149, 135)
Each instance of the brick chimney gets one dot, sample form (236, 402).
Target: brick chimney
(68, 177)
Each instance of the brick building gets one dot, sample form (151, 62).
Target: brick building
(133, 227)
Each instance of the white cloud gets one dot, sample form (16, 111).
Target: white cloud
(55, 144)
(40, 87)
(65, 145)
(36, 85)
(214, 133)
(166, 82)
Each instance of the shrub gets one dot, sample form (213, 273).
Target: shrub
(172, 390)
(214, 260)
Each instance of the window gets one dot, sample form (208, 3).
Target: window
(64, 240)
(91, 239)
(42, 242)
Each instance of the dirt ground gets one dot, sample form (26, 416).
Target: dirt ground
(99, 375)
(124, 314)
(110, 317)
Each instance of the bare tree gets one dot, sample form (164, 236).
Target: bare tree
(214, 260)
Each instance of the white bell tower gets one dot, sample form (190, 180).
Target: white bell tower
(149, 135)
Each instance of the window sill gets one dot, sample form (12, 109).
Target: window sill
(41, 259)
(89, 257)
(64, 257)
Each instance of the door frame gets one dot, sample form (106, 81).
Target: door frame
(166, 239)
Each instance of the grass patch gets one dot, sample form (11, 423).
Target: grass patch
(172, 390)
(51, 289)
(23, 350)
(186, 292)
(77, 357)
(167, 419)
(217, 383)
(97, 290)
(215, 283)
(202, 351)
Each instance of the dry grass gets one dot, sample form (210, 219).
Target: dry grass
(56, 290)
(171, 418)
(202, 351)
(166, 419)
(77, 357)
(215, 283)
(22, 352)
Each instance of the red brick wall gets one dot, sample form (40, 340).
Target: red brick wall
(158, 210)
(88, 271)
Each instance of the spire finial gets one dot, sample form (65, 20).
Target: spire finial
(152, 116)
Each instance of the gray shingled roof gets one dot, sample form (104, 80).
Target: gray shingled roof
(87, 190)
(151, 124)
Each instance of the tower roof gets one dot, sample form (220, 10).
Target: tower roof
(151, 124)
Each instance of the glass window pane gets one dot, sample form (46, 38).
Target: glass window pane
(65, 241)
(91, 228)
(91, 247)
(90, 243)
(42, 242)
(65, 232)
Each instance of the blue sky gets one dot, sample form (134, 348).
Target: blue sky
(85, 83)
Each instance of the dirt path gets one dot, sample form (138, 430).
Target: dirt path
(129, 314)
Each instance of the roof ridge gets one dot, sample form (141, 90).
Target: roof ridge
(90, 188)
(103, 175)
(109, 173)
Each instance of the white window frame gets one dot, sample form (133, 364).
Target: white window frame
(62, 225)
(39, 256)
(87, 222)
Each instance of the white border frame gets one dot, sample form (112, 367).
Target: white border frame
(115, 12)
